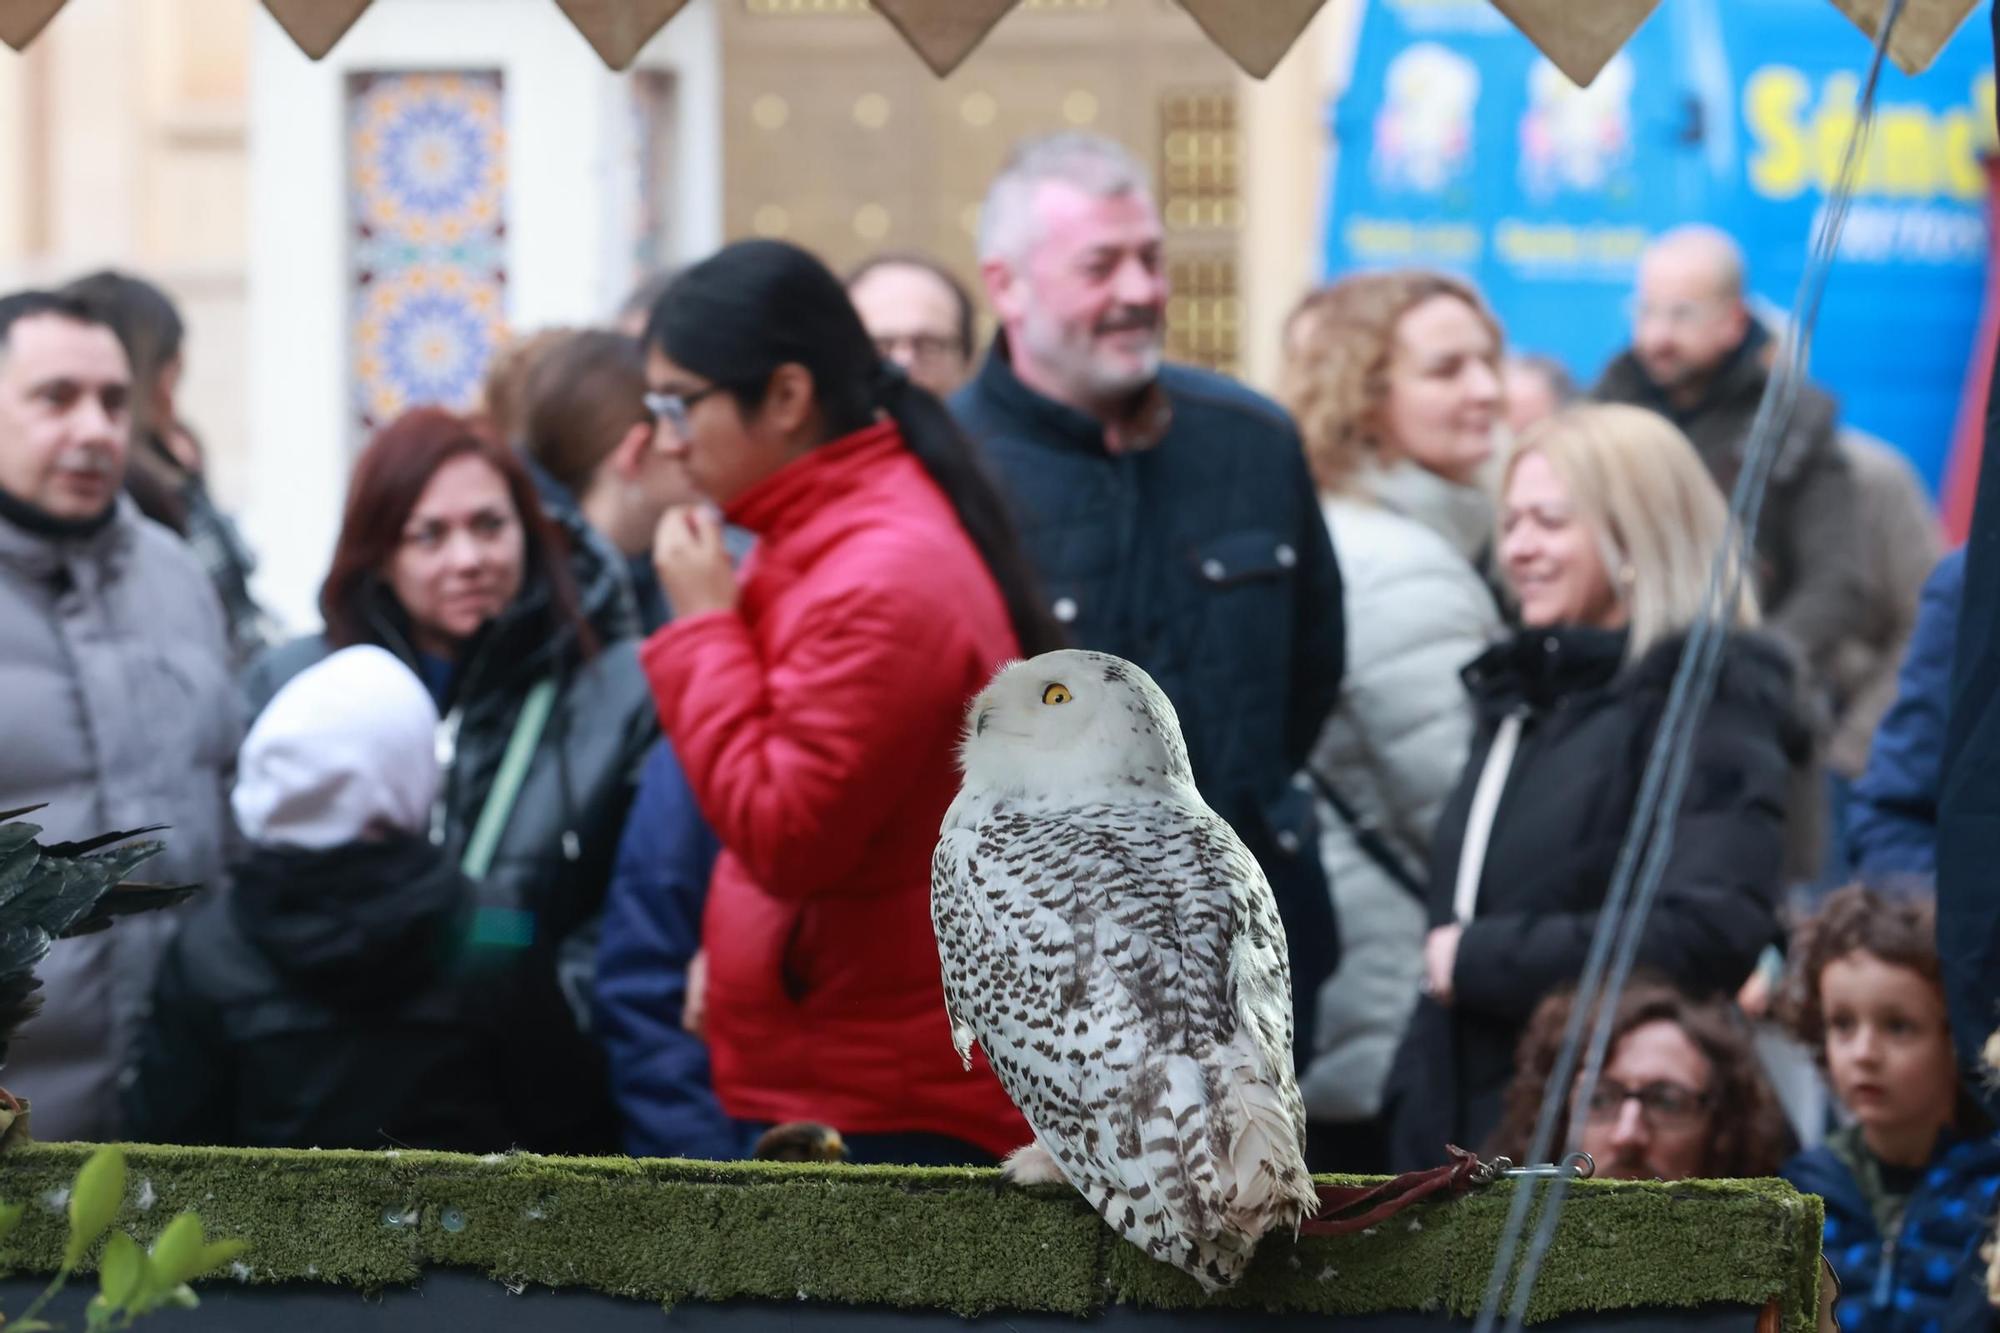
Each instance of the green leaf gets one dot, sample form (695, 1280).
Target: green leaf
(121, 1272)
(10, 1217)
(217, 1253)
(32, 1326)
(183, 1298)
(94, 1201)
(177, 1254)
(97, 1315)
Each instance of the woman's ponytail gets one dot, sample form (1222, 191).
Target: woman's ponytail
(930, 433)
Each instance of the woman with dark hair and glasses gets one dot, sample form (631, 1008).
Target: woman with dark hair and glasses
(446, 560)
(816, 705)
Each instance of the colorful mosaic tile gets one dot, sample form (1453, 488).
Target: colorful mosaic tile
(427, 157)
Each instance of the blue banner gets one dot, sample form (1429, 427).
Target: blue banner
(1460, 147)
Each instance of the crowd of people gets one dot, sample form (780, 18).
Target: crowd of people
(599, 812)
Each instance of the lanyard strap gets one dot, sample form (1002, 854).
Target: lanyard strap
(1479, 823)
(506, 789)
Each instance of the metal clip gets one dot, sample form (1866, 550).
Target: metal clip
(1578, 1166)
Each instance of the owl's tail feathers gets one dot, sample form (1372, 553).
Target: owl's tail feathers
(1260, 1186)
(1268, 1185)
(1217, 1262)
(1145, 1217)
(1168, 1199)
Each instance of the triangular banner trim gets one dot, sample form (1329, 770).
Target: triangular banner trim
(619, 29)
(316, 26)
(1922, 29)
(1256, 36)
(944, 32)
(21, 21)
(1578, 39)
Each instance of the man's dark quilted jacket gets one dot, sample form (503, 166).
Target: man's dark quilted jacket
(1204, 560)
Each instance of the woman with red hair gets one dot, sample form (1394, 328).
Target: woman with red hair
(446, 559)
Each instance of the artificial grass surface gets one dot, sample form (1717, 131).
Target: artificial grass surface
(672, 1231)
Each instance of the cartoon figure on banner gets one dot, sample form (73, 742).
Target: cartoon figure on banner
(1423, 133)
(1575, 139)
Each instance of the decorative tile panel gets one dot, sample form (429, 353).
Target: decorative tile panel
(1201, 202)
(1205, 312)
(427, 181)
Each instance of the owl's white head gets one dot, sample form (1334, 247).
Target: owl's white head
(1071, 721)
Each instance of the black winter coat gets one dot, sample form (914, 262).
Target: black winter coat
(1590, 721)
(1968, 805)
(1204, 559)
(314, 1006)
(539, 902)
(554, 859)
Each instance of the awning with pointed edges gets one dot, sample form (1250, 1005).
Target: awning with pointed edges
(1579, 36)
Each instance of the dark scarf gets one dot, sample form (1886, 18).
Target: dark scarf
(35, 519)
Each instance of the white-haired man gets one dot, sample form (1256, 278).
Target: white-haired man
(1701, 358)
(1167, 509)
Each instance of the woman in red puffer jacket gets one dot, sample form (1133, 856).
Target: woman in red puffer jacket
(817, 706)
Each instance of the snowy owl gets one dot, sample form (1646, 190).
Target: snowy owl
(1115, 950)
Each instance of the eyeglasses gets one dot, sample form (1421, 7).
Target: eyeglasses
(1665, 1105)
(673, 408)
(1674, 314)
(922, 347)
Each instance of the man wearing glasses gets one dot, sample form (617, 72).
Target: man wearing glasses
(1682, 1094)
(920, 317)
(1700, 358)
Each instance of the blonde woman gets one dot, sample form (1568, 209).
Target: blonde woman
(1609, 522)
(1394, 379)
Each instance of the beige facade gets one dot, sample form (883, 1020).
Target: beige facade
(126, 139)
(837, 137)
(122, 142)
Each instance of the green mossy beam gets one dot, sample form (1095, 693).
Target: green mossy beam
(670, 1231)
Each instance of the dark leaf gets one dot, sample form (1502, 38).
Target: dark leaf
(85, 845)
(15, 870)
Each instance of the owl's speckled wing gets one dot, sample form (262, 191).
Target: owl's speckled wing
(1122, 965)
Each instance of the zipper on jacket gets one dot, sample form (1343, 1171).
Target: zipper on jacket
(445, 747)
(1885, 1277)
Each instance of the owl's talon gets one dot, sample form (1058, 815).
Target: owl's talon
(1032, 1164)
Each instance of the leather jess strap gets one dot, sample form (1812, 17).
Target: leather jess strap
(1346, 1209)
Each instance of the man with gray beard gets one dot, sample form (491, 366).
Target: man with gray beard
(1168, 510)
(114, 681)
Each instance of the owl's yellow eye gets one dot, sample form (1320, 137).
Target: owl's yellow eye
(1056, 694)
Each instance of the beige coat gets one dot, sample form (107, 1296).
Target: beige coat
(1417, 613)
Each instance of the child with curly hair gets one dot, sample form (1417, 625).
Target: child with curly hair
(1910, 1184)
